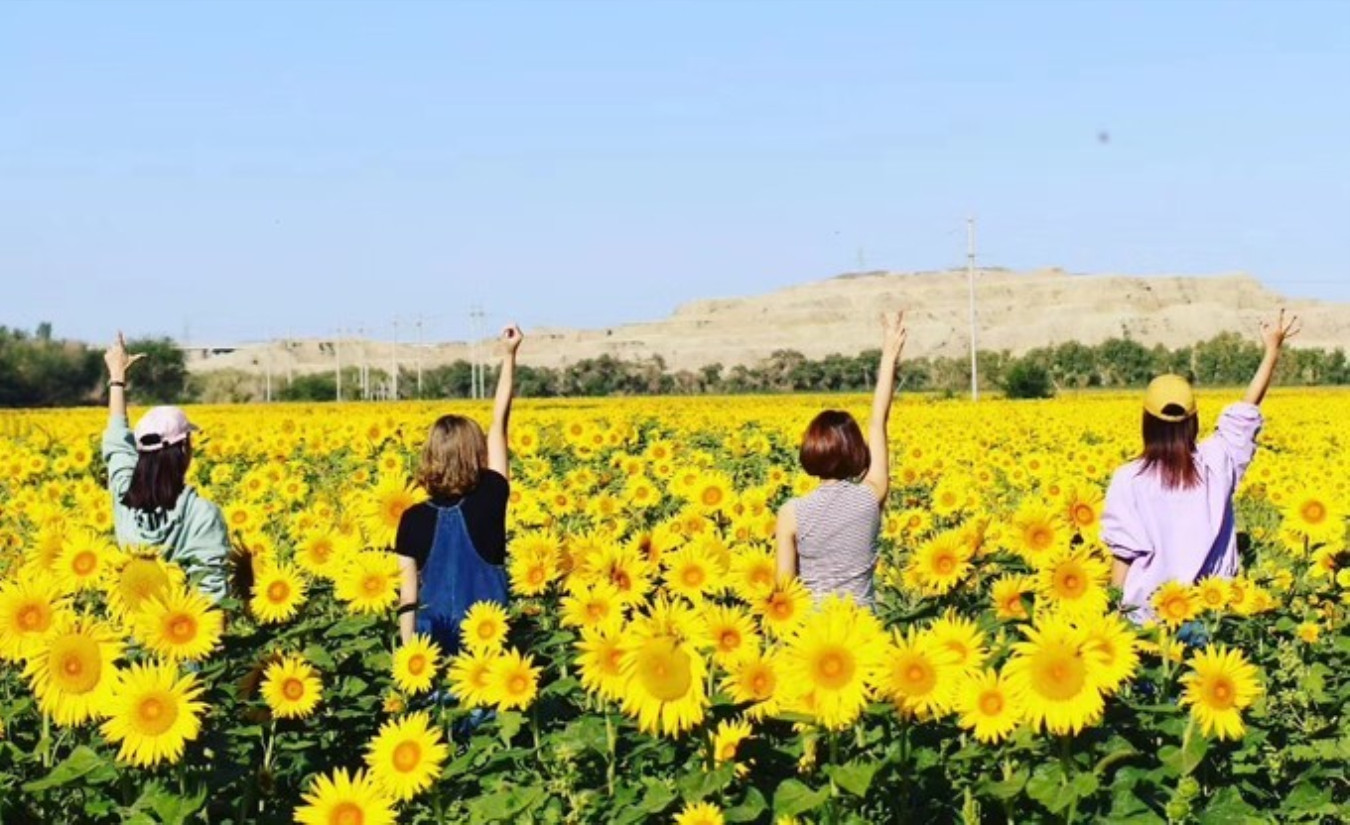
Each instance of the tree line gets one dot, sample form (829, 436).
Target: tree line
(39, 370)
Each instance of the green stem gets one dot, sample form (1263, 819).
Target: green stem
(1070, 771)
(612, 742)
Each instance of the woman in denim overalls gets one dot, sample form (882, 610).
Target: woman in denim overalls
(452, 548)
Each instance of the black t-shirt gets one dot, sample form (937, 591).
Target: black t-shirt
(484, 510)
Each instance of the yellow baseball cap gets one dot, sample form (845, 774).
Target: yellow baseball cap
(1168, 393)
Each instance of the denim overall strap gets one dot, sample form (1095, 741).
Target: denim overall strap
(453, 579)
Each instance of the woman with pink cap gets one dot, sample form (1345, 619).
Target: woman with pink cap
(153, 506)
(1169, 513)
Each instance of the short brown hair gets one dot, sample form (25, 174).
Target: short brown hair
(834, 447)
(453, 457)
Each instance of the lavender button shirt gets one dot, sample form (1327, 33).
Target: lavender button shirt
(1185, 534)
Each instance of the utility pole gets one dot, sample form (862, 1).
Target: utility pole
(970, 275)
(419, 357)
(393, 363)
(337, 364)
(476, 334)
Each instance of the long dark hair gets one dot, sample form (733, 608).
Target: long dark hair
(159, 478)
(1169, 447)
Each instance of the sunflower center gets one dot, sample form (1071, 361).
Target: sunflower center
(945, 565)
(762, 684)
(1060, 676)
(665, 672)
(1222, 694)
(730, 639)
(293, 689)
(76, 664)
(181, 628)
(84, 563)
(33, 618)
(991, 703)
(781, 608)
(712, 497)
(487, 630)
(517, 685)
(693, 576)
(834, 669)
(1314, 512)
(278, 591)
(1070, 584)
(373, 585)
(1083, 514)
(141, 579)
(1040, 538)
(156, 714)
(407, 756)
(347, 813)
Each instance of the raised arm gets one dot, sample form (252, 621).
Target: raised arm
(893, 343)
(1273, 336)
(498, 455)
(119, 361)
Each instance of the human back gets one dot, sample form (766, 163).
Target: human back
(837, 528)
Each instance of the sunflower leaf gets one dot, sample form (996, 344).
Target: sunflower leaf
(854, 777)
(82, 764)
(793, 798)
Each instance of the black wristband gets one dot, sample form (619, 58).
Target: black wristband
(121, 384)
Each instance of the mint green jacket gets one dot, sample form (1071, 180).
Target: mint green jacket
(192, 534)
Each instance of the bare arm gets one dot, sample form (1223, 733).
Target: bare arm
(498, 455)
(119, 361)
(1119, 569)
(787, 542)
(893, 343)
(407, 598)
(1273, 336)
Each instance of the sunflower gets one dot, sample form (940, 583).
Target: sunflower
(699, 813)
(1036, 531)
(31, 609)
(920, 674)
(593, 606)
(470, 675)
(664, 685)
(369, 582)
(1175, 604)
(600, 660)
(712, 493)
(278, 591)
(833, 660)
(73, 674)
(753, 573)
(755, 678)
(731, 630)
(626, 570)
(690, 572)
(1073, 583)
(1310, 513)
(1242, 595)
(1220, 684)
(783, 608)
(405, 756)
(1112, 645)
(942, 562)
(987, 707)
(1008, 594)
(512, 680)
(387, 503)
(484, 626)
(726, 739)
(320, 553)
(291, 688)
(142, 577)
(415, 664)
(85, 562)
(533, 565)
(153, 712)
(1083, 509)
(1055, 677)
(345, 799)
(180, 626)
(1212, 593)
(962, 638)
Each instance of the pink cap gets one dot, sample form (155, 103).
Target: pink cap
(160, 426)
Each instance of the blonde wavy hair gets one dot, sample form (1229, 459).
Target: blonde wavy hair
(453, 457)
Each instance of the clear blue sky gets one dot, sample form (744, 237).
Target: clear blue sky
(252, 168)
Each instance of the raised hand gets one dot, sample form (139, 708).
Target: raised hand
(511, 338)
(118, 359)
(894, 333)
(1273, 335)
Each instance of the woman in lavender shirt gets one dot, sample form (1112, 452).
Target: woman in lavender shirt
(1169, 513)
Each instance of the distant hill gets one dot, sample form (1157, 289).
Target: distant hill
(1017, 311)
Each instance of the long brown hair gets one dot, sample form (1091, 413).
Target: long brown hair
(454, 456)
(1169, 447)
(159, 477)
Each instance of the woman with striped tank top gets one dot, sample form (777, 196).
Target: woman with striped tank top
(829, 538)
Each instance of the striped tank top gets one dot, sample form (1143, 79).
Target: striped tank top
(837, 528)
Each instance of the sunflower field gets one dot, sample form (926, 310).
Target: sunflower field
(649, 666)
